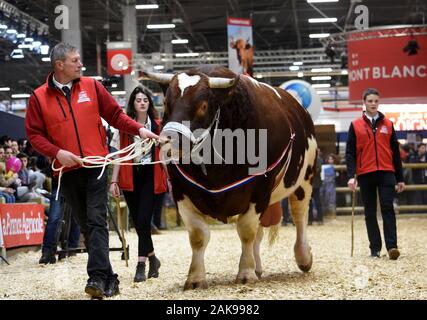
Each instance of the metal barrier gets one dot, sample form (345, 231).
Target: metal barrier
(409, 187)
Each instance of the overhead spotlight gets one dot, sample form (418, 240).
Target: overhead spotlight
(412, 47)
(330, 52)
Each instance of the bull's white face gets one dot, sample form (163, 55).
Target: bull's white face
(187, 99)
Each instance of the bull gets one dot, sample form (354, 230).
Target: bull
(210, 98)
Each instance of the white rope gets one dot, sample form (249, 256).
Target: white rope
(113, 158)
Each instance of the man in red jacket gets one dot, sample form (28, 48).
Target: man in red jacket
(63, 121)
(372, 154)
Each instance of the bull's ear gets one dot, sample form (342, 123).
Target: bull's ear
(221, 83)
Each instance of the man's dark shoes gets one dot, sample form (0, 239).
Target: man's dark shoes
(393, 253)
(140, 272)
(376, 254)
(153, 271)
(112, 287)
(95, 287)
(47, 257)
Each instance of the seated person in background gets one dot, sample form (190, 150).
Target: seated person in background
(25, 191)
(7, 194)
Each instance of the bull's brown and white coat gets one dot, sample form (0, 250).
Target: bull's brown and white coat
(248, 104)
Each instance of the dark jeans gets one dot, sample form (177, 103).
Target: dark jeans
(316, 197)
(384, 182)
(50, 238)
(142, 204)
(87, 197)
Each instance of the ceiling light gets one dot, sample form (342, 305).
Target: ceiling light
(146, 6)
(321, 78)
(96, 77)
(300, 74)
(83, 68)
(321, 85)
(20, 95)
(4, 89)
(47, 59)
(118, 93)
(177, 20)
(159, 67)
(114, 85)
(322, 20)
(298, 63)
(344, 72)
(179, 41)
(161, 26)
(188, 54)
(294, 68)
(321, 70)
(322, 92)
(321, 1)
(319, 35)
(259, 76)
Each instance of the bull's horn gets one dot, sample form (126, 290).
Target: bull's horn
(164, 78)
(217, 83)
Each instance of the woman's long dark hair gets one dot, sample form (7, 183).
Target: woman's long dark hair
(130, 108)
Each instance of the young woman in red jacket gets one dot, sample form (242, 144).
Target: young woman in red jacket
(143, 185)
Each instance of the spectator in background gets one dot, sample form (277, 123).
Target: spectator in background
(315, 197)
(419, 176)
(327, 190)
(15, 147)
(25, 192)
(373, 154)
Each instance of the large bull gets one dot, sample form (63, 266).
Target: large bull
(211, 98)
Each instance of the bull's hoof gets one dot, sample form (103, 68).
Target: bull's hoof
(192, 285)
(258, 274)
(306, 267)
(246, 278)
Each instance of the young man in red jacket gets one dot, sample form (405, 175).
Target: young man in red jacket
(63, 121)
(372, 154)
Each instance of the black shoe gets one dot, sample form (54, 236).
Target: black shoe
(140, 272)
(153, 271)
(47, 257)
(95, 288)
(393, 253)
(112, 286)
(376, 254)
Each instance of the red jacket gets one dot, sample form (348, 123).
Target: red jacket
(125, 173)
(373, 146)
(53, 124)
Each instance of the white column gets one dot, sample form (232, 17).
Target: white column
(129, 34)
(73, 34)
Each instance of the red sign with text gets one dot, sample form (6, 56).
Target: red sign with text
(22, 224)
(375, 61)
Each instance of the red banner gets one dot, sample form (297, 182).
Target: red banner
(22, 224)
(377, 60)
(119, 58)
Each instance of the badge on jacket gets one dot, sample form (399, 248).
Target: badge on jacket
(83, 97)
(384, 130)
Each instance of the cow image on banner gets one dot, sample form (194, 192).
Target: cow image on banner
(240, 46)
